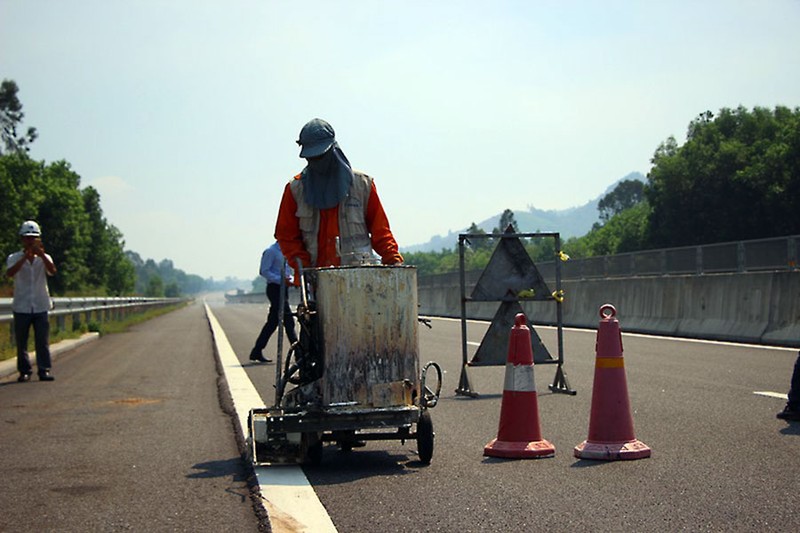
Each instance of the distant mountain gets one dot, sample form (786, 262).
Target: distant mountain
(570, 222)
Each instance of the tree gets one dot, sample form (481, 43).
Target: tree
(506, 219)
(625, 195)
(172, 290)
(11, 116)
(155, 287)
(64, 226)
(624, 232)
(736, 177)
(480, 243)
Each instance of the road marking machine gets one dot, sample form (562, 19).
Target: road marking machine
(354, 374)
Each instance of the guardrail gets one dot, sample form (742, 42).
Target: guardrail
(85, 310)
(757, 255)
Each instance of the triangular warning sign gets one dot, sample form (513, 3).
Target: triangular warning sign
(510, 273)
(494, 346)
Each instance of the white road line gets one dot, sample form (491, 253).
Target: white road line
(289, 498)
(772, 394)
(625, 333)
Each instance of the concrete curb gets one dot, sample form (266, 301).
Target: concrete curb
(9, 366)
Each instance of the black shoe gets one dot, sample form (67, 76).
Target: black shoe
(23, 378)
(789, 414)
(45, 376)
(259, 358)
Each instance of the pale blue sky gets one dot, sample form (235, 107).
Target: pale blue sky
(184, 113)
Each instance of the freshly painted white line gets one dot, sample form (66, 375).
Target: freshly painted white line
(288, 497)
(772, 394)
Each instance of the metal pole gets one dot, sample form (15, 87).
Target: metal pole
(560, 382)
(279, 357)
(463, 382)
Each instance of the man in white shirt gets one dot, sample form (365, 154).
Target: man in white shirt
(30, 268)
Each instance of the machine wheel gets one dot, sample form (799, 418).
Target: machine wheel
(314, 450)
(425, 437)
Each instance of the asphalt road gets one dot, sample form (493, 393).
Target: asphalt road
(721, 460)
(132, 436)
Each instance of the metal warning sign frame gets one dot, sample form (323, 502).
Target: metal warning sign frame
(510, 277)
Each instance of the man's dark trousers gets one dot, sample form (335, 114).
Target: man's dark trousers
(41, 335)
(274, 295)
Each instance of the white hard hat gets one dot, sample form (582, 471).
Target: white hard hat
(30, 228)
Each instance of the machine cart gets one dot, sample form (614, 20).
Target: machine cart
(354, 374)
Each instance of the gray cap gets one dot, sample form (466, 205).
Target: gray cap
(316, 138)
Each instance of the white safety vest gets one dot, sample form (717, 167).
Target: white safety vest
(353, 232)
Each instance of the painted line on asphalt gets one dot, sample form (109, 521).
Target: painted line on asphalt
(771, 394)
(287, 495)
(628, 334)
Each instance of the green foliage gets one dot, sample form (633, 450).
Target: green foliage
(172, 290)
(11, 116)
(174, 282)
(624, 232)
(625, 195)
(477, 254)
(155, 287)
(737, 177)
(87, 251)
(506, 219)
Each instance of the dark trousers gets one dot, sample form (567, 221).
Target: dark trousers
(794, 391)
(41, 334)
(273, 295)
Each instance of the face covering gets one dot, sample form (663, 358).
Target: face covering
(326, 179)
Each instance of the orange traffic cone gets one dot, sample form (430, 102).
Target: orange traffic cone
(610, 424)
(519, 436)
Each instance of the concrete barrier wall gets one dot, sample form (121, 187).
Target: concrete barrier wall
(759, 307)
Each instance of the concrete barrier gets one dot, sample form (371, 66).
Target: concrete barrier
(753, 307)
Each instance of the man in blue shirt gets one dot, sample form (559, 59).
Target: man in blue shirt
(271, 266)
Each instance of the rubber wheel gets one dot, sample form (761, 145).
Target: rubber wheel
(314, 453)
(425, 437)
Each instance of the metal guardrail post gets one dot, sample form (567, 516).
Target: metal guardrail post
(741, 257)
(699, 261)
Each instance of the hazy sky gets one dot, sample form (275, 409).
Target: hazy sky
(183, 114)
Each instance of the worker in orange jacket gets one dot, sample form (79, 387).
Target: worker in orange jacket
(330, 214)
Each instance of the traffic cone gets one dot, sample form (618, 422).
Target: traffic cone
(519, 436)
(610, 424)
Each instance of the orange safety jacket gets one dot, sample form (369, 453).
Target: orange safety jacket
(295, 229)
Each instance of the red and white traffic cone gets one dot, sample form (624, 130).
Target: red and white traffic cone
(610, 424)
(519, 435)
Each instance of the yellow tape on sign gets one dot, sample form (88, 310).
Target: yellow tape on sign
(609, 362)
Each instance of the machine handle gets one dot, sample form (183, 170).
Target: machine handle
(429, 398)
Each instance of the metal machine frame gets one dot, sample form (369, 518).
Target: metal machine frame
(295, 427)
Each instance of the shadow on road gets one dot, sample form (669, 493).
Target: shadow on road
(233, 468)
(339, 467)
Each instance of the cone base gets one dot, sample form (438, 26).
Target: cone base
(519, 450)
(612, 451)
